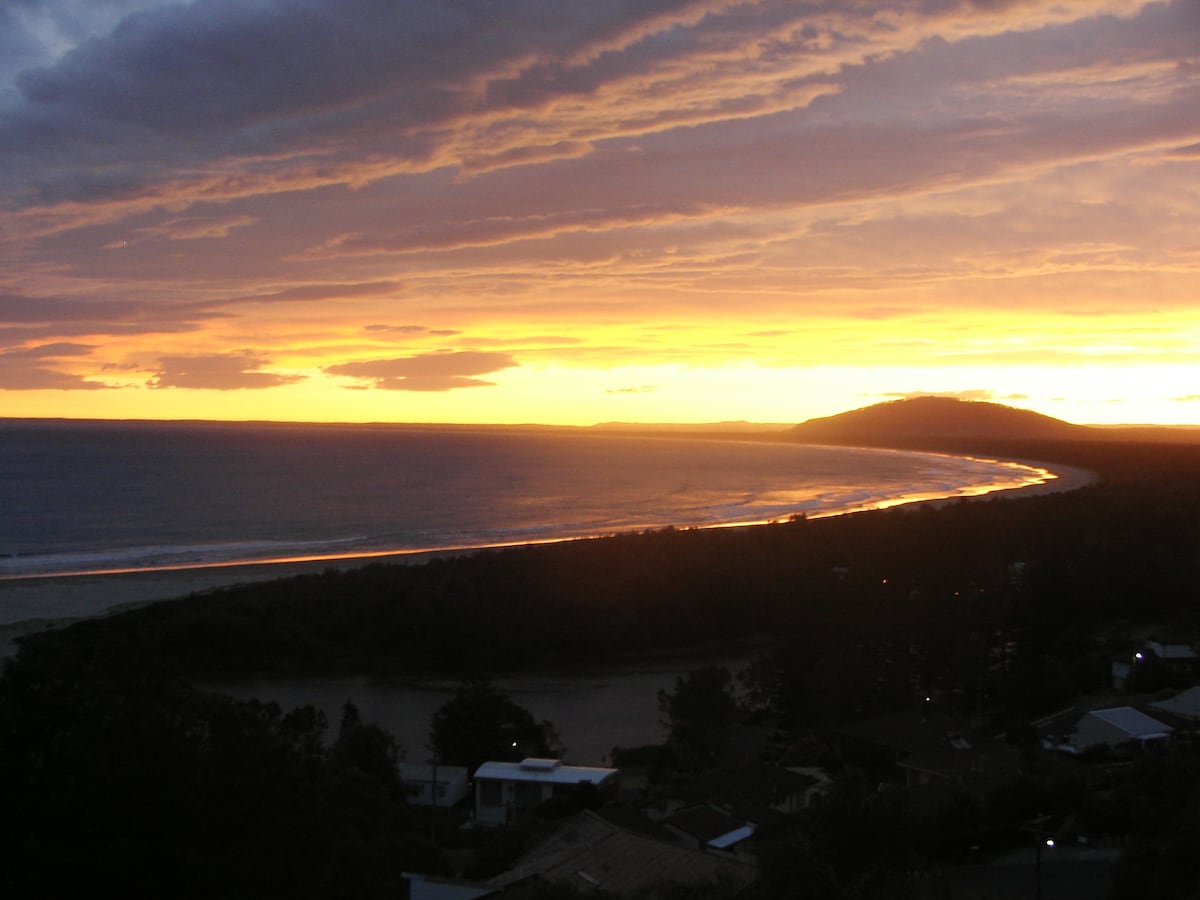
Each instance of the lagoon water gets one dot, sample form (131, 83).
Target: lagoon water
(78, 499)
(592, 710)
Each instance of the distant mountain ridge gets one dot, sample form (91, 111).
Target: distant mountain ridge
(740, 426)
(925, 418)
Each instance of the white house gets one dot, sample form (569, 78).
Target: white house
(428, 785)
(504, 789)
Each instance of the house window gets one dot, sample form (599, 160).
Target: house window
(439, 791)
(413, 791)
(490, 793)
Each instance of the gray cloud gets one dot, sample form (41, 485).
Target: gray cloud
(25, 318)
(267, 76)
(331, 291)
(298, 81)
(316, 88)
(219, 372)
(427, 372)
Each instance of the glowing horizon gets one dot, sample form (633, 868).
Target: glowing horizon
(685, 211)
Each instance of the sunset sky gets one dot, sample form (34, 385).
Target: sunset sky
(576, 211)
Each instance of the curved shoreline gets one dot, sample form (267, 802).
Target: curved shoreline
(1026, 476)
(89, 594)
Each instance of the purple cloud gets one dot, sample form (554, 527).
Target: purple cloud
(35, 369)
(218, 372)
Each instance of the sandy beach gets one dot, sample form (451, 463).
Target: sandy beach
(24, 602)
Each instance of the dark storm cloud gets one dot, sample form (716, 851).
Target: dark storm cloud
(177, 89)
(427, 372)
(195, 82)
(19, 47)
(219, 372)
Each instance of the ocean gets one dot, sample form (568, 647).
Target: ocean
(92, 498)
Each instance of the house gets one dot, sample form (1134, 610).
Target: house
(588, 853)
(1185, 705)
(504, 790)
(1156, 662)
(709, 827)
(433, 785)
(926, 746)
(1118, 725)
(1177, 656)
(753, 790)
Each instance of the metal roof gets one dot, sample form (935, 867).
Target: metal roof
(588, 852)
(1134, 723)
(733, 837)
(1186, 703)
(543, 771)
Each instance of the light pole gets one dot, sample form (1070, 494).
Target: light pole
(1037, 864)
(1042, 838)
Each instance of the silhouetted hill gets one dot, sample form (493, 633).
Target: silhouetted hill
(925, 418)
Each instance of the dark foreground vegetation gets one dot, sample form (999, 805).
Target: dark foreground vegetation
(1006, 609)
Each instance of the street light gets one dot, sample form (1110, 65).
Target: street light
(1037, 865)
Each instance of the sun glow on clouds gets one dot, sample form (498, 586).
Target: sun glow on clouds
(686, 210)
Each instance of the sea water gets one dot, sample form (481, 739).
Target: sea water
(85, 498)
(94, 496)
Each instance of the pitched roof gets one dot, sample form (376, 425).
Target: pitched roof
(593, 853)
(1186, 703)
(1134, 723)
(1172, 649)
(431, 887)
(710, 826)
(544, 771)
(910, 732)
(752, 785)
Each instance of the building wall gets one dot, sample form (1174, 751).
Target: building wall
(496, 802)
(420, 790)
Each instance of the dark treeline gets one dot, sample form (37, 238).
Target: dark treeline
(124, 782)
